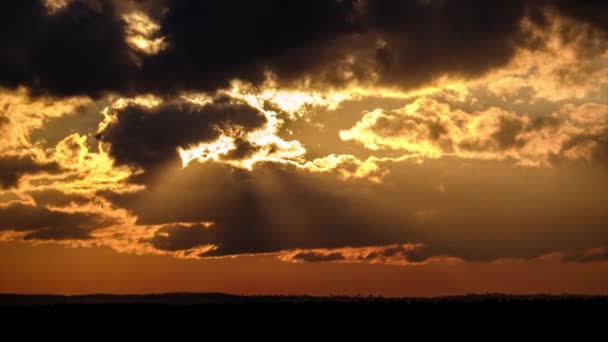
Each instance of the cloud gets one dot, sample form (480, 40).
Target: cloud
(147, 137)
(568, 55)
(266, 210)
(40, 223)
(91, 48)
(318, 257)
(426, 40)
(58, 234)
(592, 12)
(402, 254)
(56, 198)
(180, 237)
(79, 50)
(12, 168)
(142, 33)
(246, 40)
(21, 114)
(277, 208)
(198, 164)
(428, 128)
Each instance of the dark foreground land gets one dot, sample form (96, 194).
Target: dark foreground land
(202, 315)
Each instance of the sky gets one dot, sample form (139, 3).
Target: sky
(364, 147)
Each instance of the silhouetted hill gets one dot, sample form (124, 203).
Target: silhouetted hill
(217, 314)
(186, 298)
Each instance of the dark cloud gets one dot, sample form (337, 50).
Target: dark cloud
(12, 168)
(58, 233)
(425, 39)
(406, 42)
(411, 254)
(81, 49)
(78, 50)
(420, 254)
(149, 137)
(242, 150)
(590, 11)
(392, 251)
(44, 224)
(396, 254)
(57, 198)
(16, 36)
(244, 40)
(318, 257)
(508, 130)
(274, 208)
(179, 237)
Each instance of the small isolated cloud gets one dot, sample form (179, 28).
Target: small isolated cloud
(402, 254)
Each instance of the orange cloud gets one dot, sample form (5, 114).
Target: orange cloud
(400, 255)
(431, 129)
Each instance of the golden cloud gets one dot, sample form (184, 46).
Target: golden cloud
(267, 145)
(24, 114)
(399, 255)
(431, 129)
(142, 33)
(53, 6)
(572, 64)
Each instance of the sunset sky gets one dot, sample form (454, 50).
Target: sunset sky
(400, 148)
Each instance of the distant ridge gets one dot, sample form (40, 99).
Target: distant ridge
(187, 298)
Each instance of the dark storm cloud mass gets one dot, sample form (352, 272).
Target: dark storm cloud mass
(81, 49)
(12, 168)
(276, 209)
(425, 39)
(212, 42)
(591, 11)
(270, 210)
(147, 137)
(44, 224)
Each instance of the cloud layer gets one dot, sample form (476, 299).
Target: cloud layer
(399, 132)
(92, 47)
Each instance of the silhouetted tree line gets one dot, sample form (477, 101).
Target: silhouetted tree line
(492, 316)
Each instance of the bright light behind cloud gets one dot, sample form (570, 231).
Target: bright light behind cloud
(142, 33)
(53, 6)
